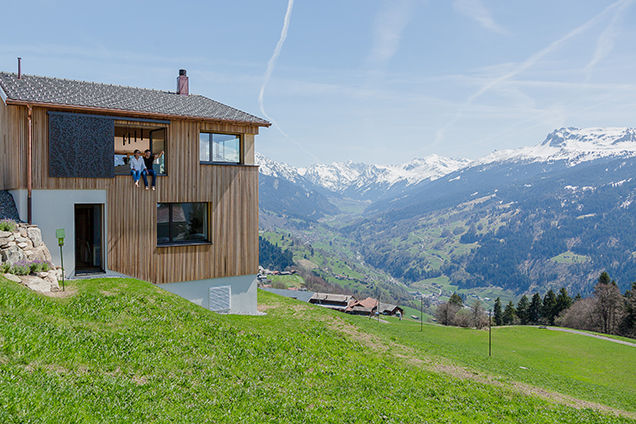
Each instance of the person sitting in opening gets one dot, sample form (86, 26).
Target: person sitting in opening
(138, 168)
(149, 160)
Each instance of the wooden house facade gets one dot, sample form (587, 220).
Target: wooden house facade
(65, 152)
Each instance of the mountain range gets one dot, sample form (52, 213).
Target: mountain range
(556, 213)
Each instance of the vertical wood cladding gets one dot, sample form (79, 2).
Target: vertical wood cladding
(81, 145)
(231, 190)
(13, 136)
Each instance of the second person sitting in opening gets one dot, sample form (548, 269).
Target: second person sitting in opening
(149, 160)
(138, 168)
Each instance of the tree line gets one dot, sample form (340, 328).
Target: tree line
(606, 311)
(273, 257)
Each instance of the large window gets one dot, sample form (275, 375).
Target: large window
(182, 223)
(131, 136)
(219, 148)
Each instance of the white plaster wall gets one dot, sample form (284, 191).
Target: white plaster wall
(243, 296)
(53, 209)
(20, 200)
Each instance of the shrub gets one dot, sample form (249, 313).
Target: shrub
(36, 266)
(5, 268)
(7, 225)
(46, 267)
(20, 268)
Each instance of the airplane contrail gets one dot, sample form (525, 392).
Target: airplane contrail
(272, 62)
(529, 62)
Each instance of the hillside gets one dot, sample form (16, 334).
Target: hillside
(125, 351)
(514, 221)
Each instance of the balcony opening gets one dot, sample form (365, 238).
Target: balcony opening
(131, 136)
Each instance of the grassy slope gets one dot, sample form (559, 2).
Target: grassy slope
(575, 365)
(125, 351)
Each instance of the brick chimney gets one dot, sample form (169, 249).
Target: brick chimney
(182, 83)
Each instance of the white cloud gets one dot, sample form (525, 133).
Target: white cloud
(389, 24)
(475, 10)
(523, 66)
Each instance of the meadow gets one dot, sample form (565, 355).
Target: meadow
(121, 350)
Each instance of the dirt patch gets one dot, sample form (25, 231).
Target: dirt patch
(264, 307)
(68, 292)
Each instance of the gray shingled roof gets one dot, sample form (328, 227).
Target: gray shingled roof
(45, 90)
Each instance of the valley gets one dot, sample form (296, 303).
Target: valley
(548, 216)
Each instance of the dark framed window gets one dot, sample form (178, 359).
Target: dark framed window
(219, 148)
(182, 223)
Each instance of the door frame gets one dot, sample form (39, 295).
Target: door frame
(102, 229)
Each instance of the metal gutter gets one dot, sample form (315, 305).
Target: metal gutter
(29, 164)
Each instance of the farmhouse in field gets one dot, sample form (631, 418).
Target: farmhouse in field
(338, 302)
(65, 156)
(362, 307)
(369, 306)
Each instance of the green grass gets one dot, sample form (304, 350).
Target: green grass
(570, 258)
(579, 366)
(287, 281)
(126, 351)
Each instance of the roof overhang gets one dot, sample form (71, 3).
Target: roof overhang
(125, 112)
(3, 95)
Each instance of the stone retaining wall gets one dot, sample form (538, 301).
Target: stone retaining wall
(24, 245)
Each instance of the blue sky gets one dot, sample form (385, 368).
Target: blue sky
(361, 80)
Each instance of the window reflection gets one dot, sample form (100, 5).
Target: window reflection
(182, 223)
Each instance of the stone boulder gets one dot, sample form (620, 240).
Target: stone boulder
(12, 254)
(40, 253)
(25, 244)
(35, 235)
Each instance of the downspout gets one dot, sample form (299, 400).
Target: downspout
(29, 160)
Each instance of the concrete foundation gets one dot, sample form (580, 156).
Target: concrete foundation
(243, 292)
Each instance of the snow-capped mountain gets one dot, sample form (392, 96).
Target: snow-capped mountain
(572, 145)
(276, 169)
(351, 177)
(341, 176)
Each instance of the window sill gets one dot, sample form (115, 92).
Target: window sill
(227, 164)
(128, 175)
(194, 243)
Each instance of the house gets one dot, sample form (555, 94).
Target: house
(64, 149)
(389, 309)
(369, 306)
(339, 302)
(362, 307)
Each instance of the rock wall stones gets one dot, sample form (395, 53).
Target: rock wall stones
(24, 245)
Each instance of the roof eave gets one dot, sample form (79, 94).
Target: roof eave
(3, 95)
(127, 112)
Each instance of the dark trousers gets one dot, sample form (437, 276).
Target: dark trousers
(154, 176)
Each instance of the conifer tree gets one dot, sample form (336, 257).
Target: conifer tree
(523, 310)
(534, 311)
(498, 316)
(549, 307)
(456, 299)
(563, 301)
(509, 314)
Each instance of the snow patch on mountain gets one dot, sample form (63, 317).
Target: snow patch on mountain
(573, 145)
(276, 169)
(341, 176)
